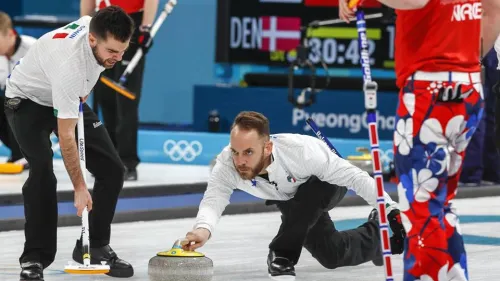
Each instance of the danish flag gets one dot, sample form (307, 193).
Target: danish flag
(280, 33)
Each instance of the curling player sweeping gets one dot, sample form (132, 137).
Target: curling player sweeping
(43, 95)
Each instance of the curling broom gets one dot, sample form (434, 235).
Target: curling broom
(370, 92)
(119, 87)
(86, 268)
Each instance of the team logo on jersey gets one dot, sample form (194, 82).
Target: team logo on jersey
(466, 11)
(291, 179)
(74, 34)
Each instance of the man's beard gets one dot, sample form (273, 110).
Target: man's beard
(250, 173)
(100, 61)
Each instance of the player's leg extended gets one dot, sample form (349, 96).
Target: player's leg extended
(420, 159)
(333, 248)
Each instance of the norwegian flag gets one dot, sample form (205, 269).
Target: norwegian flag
(335, 3)
(280, 33)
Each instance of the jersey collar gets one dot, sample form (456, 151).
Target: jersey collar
(273, 166)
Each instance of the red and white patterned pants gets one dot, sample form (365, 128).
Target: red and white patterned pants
(430, 139)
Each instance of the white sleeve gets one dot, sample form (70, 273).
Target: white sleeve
(67, 84)
(328, 167)
(216, 197)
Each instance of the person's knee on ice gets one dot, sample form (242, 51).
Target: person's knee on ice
(330, 262)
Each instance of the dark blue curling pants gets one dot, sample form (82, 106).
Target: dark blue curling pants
(482, 162)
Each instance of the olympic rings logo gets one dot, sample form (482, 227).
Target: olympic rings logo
(387, 156)
(182, 150)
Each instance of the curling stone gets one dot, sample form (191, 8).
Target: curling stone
(179, 265)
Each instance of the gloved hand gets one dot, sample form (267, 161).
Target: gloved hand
(145, 40)
(399, 233)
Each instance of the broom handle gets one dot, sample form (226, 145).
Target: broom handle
(370, 88)
(83, 167)
(169, 6)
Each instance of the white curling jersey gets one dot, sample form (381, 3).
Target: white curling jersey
(57, 70)
(296, 159)
(7, 63)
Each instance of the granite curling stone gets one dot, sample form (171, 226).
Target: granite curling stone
(179, 265)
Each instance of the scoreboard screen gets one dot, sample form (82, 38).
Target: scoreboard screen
(267, 32)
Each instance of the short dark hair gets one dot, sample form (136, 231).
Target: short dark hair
(112, 20)
(251, 120)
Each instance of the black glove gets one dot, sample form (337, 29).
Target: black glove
(399, 233)
(144, 39)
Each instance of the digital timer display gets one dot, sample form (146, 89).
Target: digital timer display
(263, 32)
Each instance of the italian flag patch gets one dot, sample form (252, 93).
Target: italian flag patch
(62, 35)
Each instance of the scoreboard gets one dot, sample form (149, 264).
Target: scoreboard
(267, 32)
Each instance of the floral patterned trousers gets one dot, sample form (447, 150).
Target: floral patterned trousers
(429, 146)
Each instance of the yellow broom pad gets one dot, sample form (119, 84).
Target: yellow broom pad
(11, 168)
(92, 269)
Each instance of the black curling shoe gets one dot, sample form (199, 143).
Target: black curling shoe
(118, 267)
